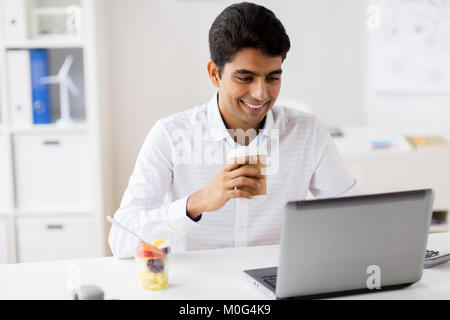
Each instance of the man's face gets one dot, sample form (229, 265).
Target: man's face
(248, 88)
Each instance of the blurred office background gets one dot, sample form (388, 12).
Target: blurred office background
(378, 71)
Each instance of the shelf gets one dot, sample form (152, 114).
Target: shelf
(79, 139)
(44, 43)
(439, 221)
(52, 129)
(438, 228)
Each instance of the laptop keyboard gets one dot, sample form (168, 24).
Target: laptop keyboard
(270, 280)
(430, 254)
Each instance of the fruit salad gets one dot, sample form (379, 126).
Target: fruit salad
(152, 264)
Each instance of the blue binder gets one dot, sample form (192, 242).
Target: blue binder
(40, 92)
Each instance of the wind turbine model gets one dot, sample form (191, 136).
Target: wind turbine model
(65, 85)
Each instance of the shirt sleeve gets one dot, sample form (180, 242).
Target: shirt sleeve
(142, 208)
(331, 177)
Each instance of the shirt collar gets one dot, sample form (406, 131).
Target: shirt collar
(216, 126)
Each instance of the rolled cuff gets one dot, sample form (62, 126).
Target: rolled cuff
(178, 218)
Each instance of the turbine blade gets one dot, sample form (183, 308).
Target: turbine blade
(64, 70)
(49, 79)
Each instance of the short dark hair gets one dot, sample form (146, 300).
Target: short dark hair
(246, 25)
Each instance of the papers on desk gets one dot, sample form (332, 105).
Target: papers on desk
(380, 140)
(415, 142)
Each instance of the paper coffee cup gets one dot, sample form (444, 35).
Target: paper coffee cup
(257, 161)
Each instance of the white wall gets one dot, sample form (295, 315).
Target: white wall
(408, 76)
(158, 50)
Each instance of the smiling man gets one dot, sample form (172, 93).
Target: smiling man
(248, 87)
(196, 202)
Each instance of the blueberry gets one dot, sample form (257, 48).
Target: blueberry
(155, 265)
(166, 250)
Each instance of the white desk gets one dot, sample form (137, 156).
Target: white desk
(207, 274)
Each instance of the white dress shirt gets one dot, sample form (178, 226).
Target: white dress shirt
(184, 152)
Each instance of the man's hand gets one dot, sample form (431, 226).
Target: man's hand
(222, 188)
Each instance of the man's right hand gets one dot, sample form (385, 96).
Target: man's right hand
(222, 188)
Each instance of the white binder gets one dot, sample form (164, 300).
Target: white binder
(19, 88)
(15, 20)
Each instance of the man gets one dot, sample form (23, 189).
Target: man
(203, 209)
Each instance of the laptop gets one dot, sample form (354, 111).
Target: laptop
(350, 245)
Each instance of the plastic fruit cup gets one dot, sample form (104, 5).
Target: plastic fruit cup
(152, 266)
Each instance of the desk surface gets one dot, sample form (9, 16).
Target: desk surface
(206, 274)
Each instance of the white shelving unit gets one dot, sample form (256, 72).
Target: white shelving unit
(53, 197)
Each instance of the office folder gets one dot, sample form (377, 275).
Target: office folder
(39, 91)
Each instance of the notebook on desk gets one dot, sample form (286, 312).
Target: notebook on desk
(350, 245)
